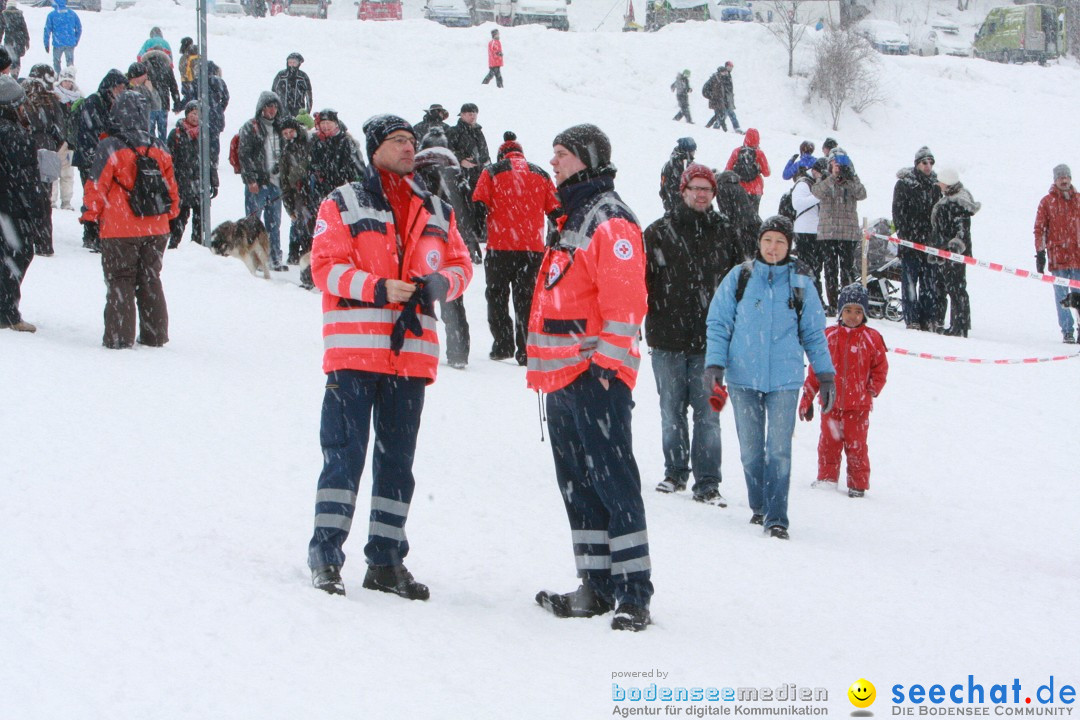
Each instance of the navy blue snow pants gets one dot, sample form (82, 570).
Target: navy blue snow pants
(601, 487)
(397, 402)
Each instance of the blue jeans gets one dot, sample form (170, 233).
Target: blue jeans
(601, 488)
(269, 199)
(678, 382)
(766, 451)
(1065, 315)
(159, 120)
(68, 54)
(729, 112)
(350, 399)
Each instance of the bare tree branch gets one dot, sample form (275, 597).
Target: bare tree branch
(787, 27)
(845, 73)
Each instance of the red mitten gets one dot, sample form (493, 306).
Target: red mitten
(718, 397)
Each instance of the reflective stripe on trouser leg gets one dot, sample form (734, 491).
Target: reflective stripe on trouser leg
(398, 406)
(343, 434)
(594, 462)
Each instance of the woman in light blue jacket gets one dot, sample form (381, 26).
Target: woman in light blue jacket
(763, 319)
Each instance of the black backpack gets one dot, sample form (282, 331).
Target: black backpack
(787, 209)
(746, 166)
(149, 195)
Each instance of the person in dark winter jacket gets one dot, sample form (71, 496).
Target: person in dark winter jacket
(188, 67)
(757, 341)
(914, 196)
(687, 253)
(16, 38)
(63, 29)
(671, 174)
(335, 155)
(20, 203)
(219, 101)
(297, 188)
(681, 88)
(159, 68)
(438, 170)
(951, 221)
(839, 230)
(734, 204)
(293, 86)
(434, 117)
(470, 147)
(803, 161)
(183, 144)
(132, 246)
(139, 81)
(719, 90)
(91, 125)
(260, 169)
(45, 118)
(517, 196)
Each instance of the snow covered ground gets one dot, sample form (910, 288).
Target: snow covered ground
(155, 505)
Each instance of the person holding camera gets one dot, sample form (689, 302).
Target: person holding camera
(838, 223)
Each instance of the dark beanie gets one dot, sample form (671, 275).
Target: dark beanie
(469, 107)
(290, 124)
(828, 145)
(136, 69)
(923, 153)
(327, 114)
(510, 144)
(588, 143)
(854, 294)
(378, 127)
(780, 224)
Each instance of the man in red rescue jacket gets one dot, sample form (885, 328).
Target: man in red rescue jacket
(588, 305)
(384, 251)
(495, 60)
(132, 246)
(517, 195)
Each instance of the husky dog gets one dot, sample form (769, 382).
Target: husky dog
(245, 239)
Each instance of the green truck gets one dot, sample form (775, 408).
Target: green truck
(1021, 33)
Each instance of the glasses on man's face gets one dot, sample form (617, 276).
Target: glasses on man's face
(700, 189)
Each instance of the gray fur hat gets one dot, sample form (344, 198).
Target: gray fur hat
(1061, 171)
(11, 92)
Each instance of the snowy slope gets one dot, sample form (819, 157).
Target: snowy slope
(155, 505)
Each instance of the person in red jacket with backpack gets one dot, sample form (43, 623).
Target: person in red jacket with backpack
(384, 252)
(750, 164)
(495, 60)
(859, 354)
(133, 237)
(517, 195)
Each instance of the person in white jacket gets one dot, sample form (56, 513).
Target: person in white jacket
(806, 219)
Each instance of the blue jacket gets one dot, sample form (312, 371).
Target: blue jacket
(803, 161)
(64, 26)
(760, 341)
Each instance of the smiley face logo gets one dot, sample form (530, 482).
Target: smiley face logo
(862, 693)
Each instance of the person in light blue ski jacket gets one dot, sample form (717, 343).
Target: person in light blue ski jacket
(758, 342)
(64, 29)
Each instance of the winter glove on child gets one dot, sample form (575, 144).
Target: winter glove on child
(806, 407)
(714, 386)
(432, 287)
(827, 389)
(1040, 262)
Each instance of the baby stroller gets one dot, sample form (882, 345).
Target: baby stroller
(883, 275)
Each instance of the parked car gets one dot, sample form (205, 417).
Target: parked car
(885, 35)
(228, 9)
(452, 13)
(378, 9)
(308, 8)
(940, 38)
(735, 10)
(551, 13)
(92, 5)
(1020, 33)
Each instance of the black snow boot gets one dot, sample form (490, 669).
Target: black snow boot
(778, 532)
(582, 603)
(757, 519)
(631, 617)
(395, 579)
(328, 579)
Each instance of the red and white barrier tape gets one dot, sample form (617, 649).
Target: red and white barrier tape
(982, 361)
(997, 267)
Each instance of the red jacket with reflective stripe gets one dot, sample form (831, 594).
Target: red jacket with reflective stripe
(1057, 229)
(862, 365)
(495, 58)
(590, 296)
(517, 195)
(355, 245)
(106, 200)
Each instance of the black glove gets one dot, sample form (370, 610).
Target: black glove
(793, 158)
(956, 245)
(407, 320)
(177, 107)
(713, 378)
(1040, 262)
(432, 287)
(827, 391)
(213, 192)
(475, 254)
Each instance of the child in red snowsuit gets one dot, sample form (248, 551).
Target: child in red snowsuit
(859, 354)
